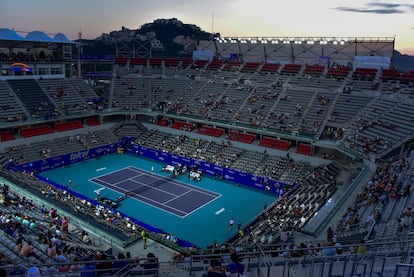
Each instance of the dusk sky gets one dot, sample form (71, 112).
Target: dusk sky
(267, 18)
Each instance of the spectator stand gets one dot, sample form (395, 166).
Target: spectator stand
(6, 135)
(36, 131)
(210, 131)
(92, 121)
(11, 108)
(242, 137)
(66, 126)
(185, 126)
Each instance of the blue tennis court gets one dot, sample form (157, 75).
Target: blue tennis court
(195, 211)
(161, 192)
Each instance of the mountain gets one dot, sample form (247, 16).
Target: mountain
(403, 62)
(173, 38)
(167, 38)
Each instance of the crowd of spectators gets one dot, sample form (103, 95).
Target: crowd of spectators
(42, 236)
(29, 56)
(391, 183)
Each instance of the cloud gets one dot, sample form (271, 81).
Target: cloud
(366, 10)
(379, 8)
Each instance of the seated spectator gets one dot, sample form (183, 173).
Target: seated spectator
(362, 248)
(328, 249)
(88, 270)
(120, 265)
(339, 249)
(51, 250)
(149, 266)
(33, 272)
(215, 270)
(235, 270)
(104, 266)
(19, 244)
(27, 250)
(75, 266)
(151, 262)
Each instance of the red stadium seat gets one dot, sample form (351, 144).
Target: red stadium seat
(338, 71)
(250, 67)
(390, 74)
(364, 73)
(180, 125)
(270, 67)
(215, 64)
(210, 131)
(304, 149)
(6, 135)
(242, 137)
(315, 69)
(407, 77)
(92, 122)
(121, 60)
(291, 68)
(66, 126)
(36, 131)
(199, 64)
(138, 61)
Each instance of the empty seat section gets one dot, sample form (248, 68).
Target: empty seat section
(181, 125)
(304, 148)
(250, 66)
(315, 69)
(390, 74)
(36, 131)
(186, 62)
(364, 73)
(267, 142)
(242, 137)
(270, 67)
(155, 62)
(138, 61)
(291, 68)
(215, 64)
(92, 122)
(66, 126)
(171, 62)
(210, 131)
(6, 135)
(121, 60)
(281, 144)
(162, 122)
(407, 77)
(338, 71)
(199, 64)
(232, 65)
(33, 98)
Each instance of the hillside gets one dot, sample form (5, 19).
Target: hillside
(167, 37)
(403, 62)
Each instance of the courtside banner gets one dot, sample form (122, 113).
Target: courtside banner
(223, 173)
(74, 157)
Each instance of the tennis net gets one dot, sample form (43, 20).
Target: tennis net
(155, 184)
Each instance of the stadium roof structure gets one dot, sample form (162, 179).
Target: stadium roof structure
(299, 49)
(12, 39)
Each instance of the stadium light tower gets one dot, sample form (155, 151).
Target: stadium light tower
(79, 53)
